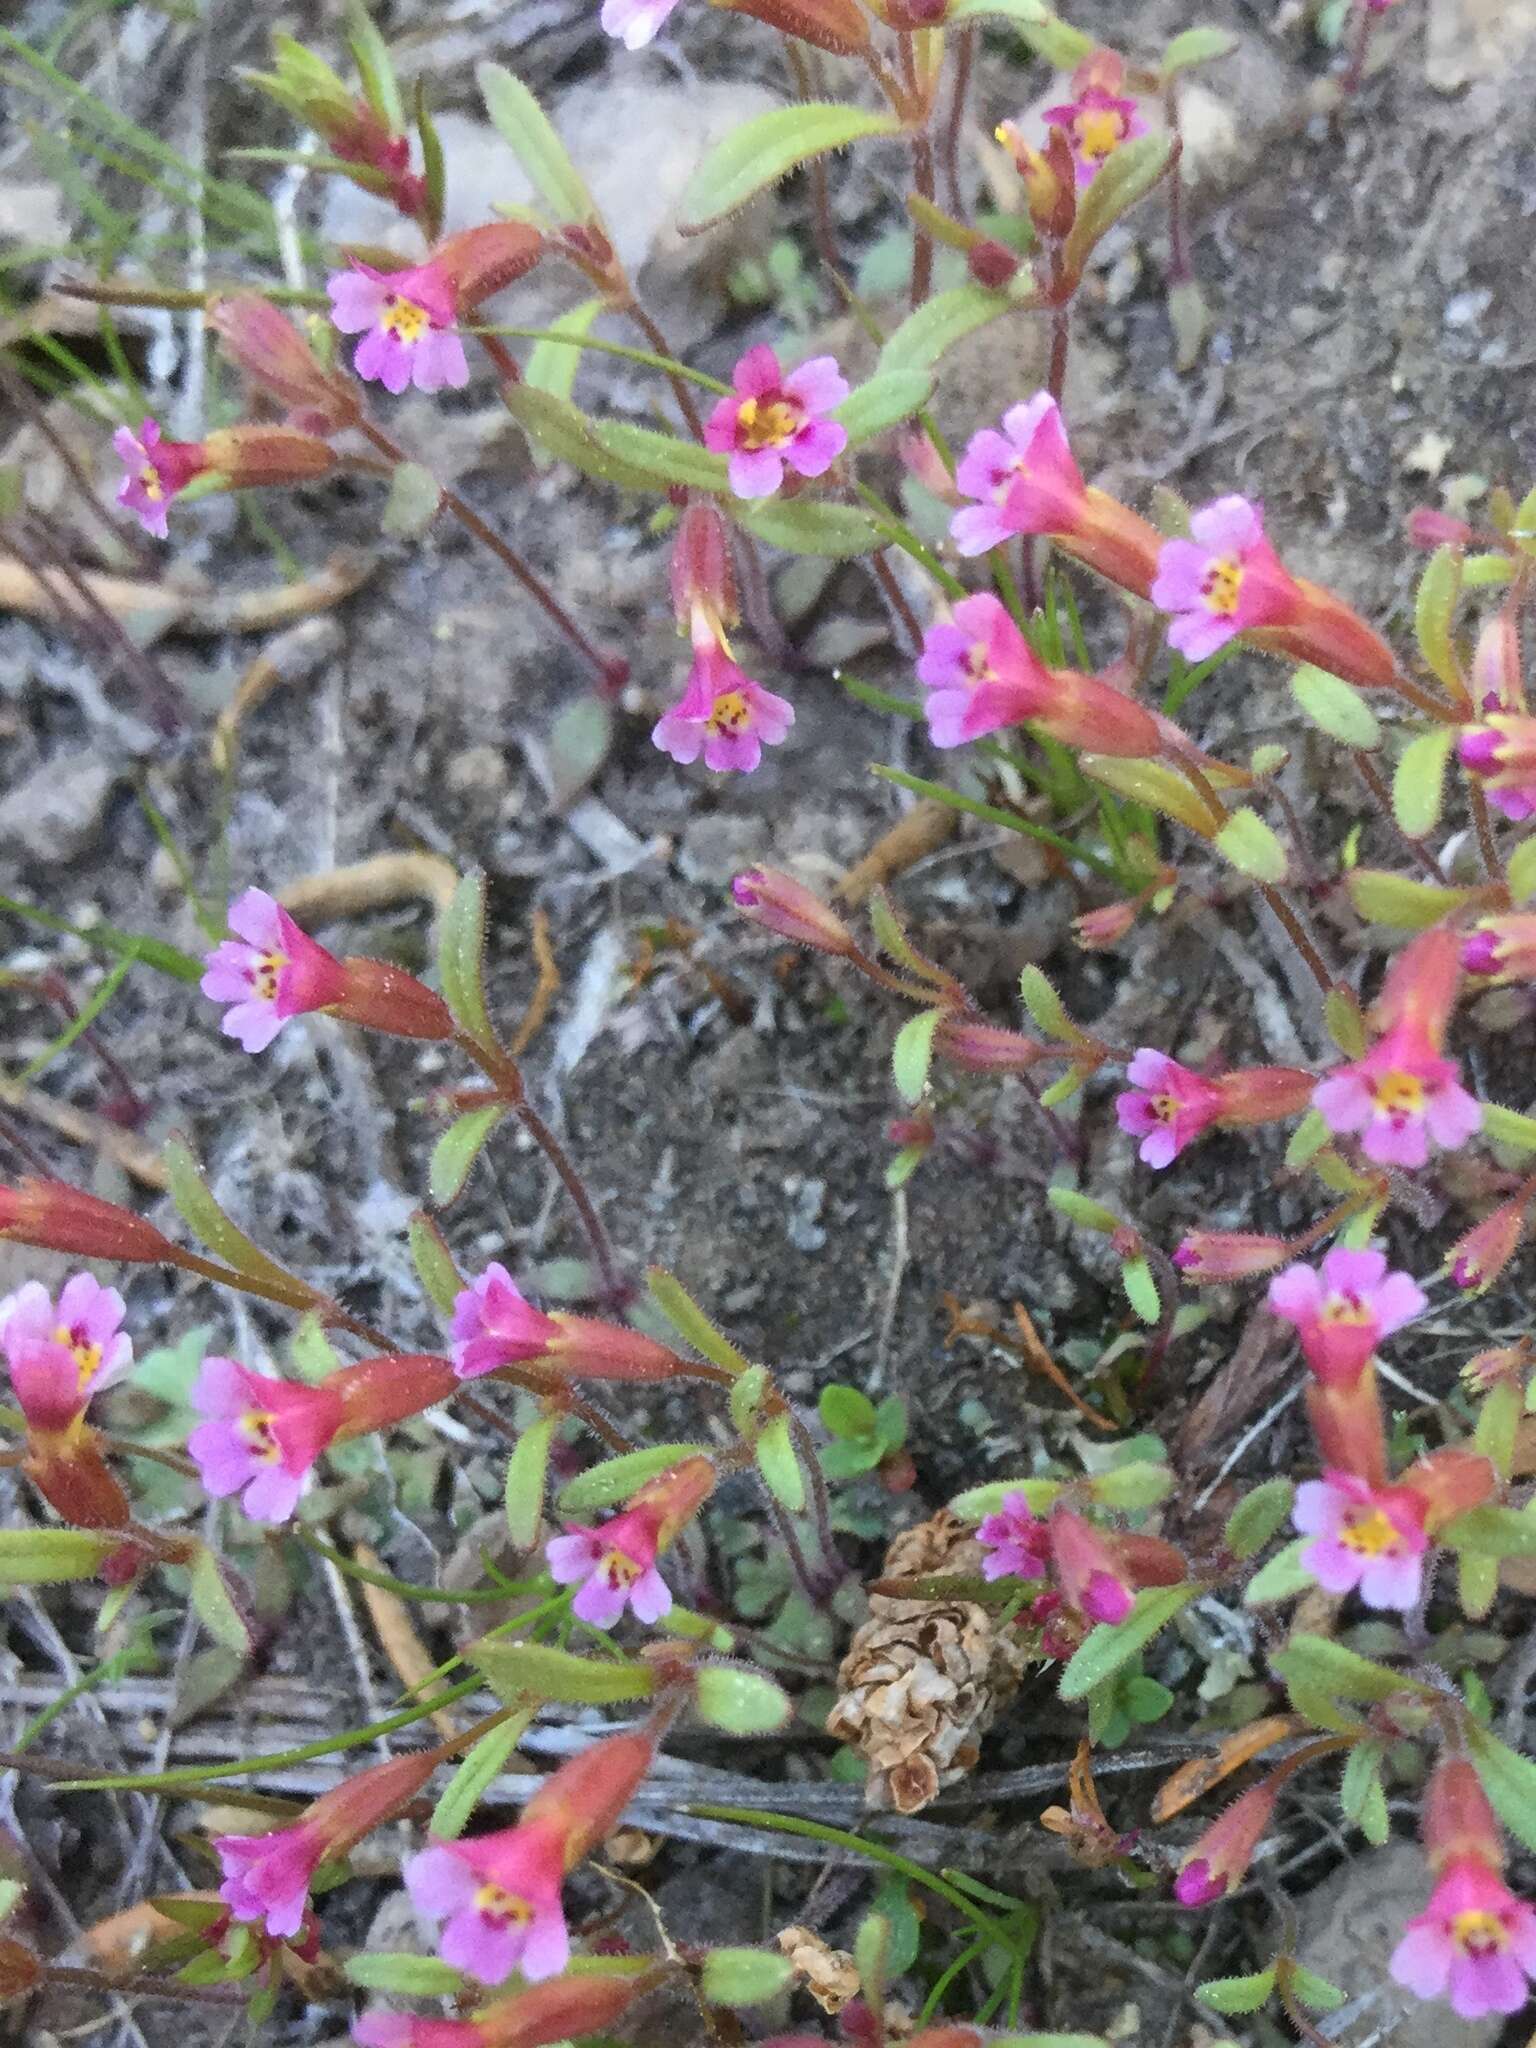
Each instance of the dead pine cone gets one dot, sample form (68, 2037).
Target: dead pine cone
(923, 1679)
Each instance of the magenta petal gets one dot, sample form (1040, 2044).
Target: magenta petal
(757, 373)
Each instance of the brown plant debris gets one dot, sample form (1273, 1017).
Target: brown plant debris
(829, 1974)
(923, 1679)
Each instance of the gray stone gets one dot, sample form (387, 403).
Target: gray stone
(53, 814)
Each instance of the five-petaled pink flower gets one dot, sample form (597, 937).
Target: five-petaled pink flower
(722, 714)
(1224, 580)
(981, 673)
(1399, 1096)
(157, 470)
(407, 319)
(1501, 753)
(635, 22)
(1016, 1540)
(1475, 1942)
(1024, 479)
(494, 1325)
(268, 972)
(266, 1877)
(1167, 1106)
(1366, 1538)
(1342, 1312)
(616, 1565)
(1095, 124)
(61, 1354)
(773, 420)
(499, 1897)
(262, 1435)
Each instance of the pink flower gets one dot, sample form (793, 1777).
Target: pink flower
(1224, 580)
(773, 420)
(270, 971)
(407, 321)
(1342, 1312)
(1475, 1941)
(261, 1435)
(157, 470)
(60, 1355)
(1368, 1538)
(266, 1877)
(635, 22)
(1399, 1096)
(1219, 1861)
(722, 714)
(1087, 1569)
(1096, 123)
(1024, 479)
(1501, 753)
(1017, 1541)
(1503, 945)
(380, 2029)
(981, 674)
(499, 1897)
(617, 1567)
(1167, 1107)
(493, 1325)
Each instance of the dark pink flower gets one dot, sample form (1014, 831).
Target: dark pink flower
(635, 22)
(722, 714)
(981, 674)
(1024, 479)
(616, 1565)
(1475, 1943)
(493, 1325)
(1225, 579)
(1017, 1541)
(380, 2029)
(266, 1877)
(262, 1435)
(1501, 753)
(1343, 1311)
(773, 421)
(1366, 1539)
(408, 321)
(1503, 945)
(60, 1354)
(157, 470)
(1087, 1569)
(268, 972)
(499, 1898)
(1220, 1859)
(1167, 1106)
(781, 904)
(1095, 125)
(1401, 1095)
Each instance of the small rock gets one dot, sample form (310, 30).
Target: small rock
(807, 1198)
(478, 771)
(53, 814)
(1465, 309)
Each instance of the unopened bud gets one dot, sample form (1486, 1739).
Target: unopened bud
(788, 908)
(991, 263)
(987, 1048)
(1097, 930)
(1428, 528)
(19, 1969)
(249, 458)
(1480, 1254)
(1209, 1256)
(922, 460)
(1219, 1861)
(275, 355)
(59, 1218)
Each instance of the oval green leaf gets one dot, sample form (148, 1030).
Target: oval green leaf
(764, 150)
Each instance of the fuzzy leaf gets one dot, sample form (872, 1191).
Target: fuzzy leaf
(439, 1277)
(527, 1469)
(1402, 901)
(1189, 315)
(370, 53)
(1259, 1517)
(1493, 1532)
(211, 1227)
(1237, 1994)
(552, 365)
(1197, 46)
(1057, 41)
(1419, 783)
(1281, 1579)
(1508, 1127)
(514, 110)
(743, 1976)
(1026, 13)
(1122, 180)
(1509, 1780)
(1083, 1210)
(1336, 708)
(977, 1502)
(522, 1671)
(461, 959)
(662, 458)
(566, 434)
(1046, 1007)
(1477, 1584)
(739, 1700)
(1141, 1290)
(50, 1557)
(846, 1412)
(1317, 1664)
(1521, 870)
(1434, 609)
(929, 333)
(1315, 1991)
(882, 403)
(775, 1454)
(912, 1054)
(405, 1975)
(457, 1150)
(1113, 1644)
(764, 150)
(802, 526)
(1131, 1488)
(216, 1608)
(411, 503)
(1252, 846)
(1153, 782)
(615, 1479)
(473, 1777)
(691, 1323)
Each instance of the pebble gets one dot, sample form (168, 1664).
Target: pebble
(54, 813)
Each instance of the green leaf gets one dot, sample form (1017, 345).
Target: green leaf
(457, 1150)
(1493, 1532)
(1025, 12)
(1083, 1210)
(979, 1501)
(663, 458)
(1434, 609)
(439, 1277)
(211, 1227)
(412, 501)
(846, 1412)
(1337, 708)
(405, 1976)
(433, 168)
(1521, 870)
(1197, 46)
(568, 435)
(803, 526)
(1134, 1487)
(1121, 181)
(1189, 315)
(691, 1323)
(1315, 1991)
(1259, 1517)
(1419, 783)
(1318, 1664)
(912, 1054)
(49, 1557)
(1113, 1644)
(524, 1671)
(1361, 1796)
(527, 1469)
(370, 52)
(461, 959)
(552, 366)
(514, 110)
(1509, 1780)
(774, 1451)
(740, 1700)
(1046, 1007)
(1141, 1289)
(882, 403)
(929, 333)
(1237, 1994)
(1153, 782)
(1508, 1127)
(1308, 1139)
(1252, 846)
(215, 1605)
(1402, 901)
(474, 1776)
(615, 1479)
(764, 150)
(1281, 1579)
(1056, 41)
(1477, 1584)
(743, 1976)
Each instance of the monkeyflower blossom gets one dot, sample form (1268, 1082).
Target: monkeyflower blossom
(1222, 581)
(772, 421)
(1366, 1539)
(261, 1436)
(1343, 1310)
(1096, 123)
(408, 320)
(1016, 1540)
(1503, 945)
(60, 1354)
(157, 470)
(1474, 1943)
(1209, 1256)
(494, 1325)
(1401, 1095)
(268, 972)
(634, 22)
(782, 905)
(1168, 1105)
(498, 1896)
(1501, 753)
(1219, 1860)
(1087, 1569)
(1480, 1254)
(722, 714)
(615, 1566)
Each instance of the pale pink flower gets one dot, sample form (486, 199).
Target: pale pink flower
(635, 22)
(266, 1877)
(772, 421)
(1224, 580)
(1017, 1541)
(1367, 1539)
(493, 1325)
(499, 1898)
(61, 1354)
(1343, 1311)
(1167, 1106)
(157, 470)
(380, 2029)
(1400, 1096)
(268, 972)
(981, 674)
(722, 714)
(407, 319)
(1095, 124)
(262, 1435)
(616, 1565)
(1501, 753)
(1024, 479)
(1475, 1942)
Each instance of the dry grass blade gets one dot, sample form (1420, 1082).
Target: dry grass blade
(1193, 1780)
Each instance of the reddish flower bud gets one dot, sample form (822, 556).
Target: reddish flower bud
(987, 1048)
(1480, 1254)
(251, 458)
(1450, 1483)
(836, 26)
(275, 355)
(1090, 1573)
(1490, 1369)
(991, 263)
(1456, 1820)
(58, 1218)
(1209, 1256)
(1100, 929)
(479, 262)
(588, 1349)
(1428, 528)
(1263, 1095)
(70, 1473)
(1497, 675)
(786, 907)
(381, 997)
(923, 461)
(377, 1393)
(1219, 1861)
